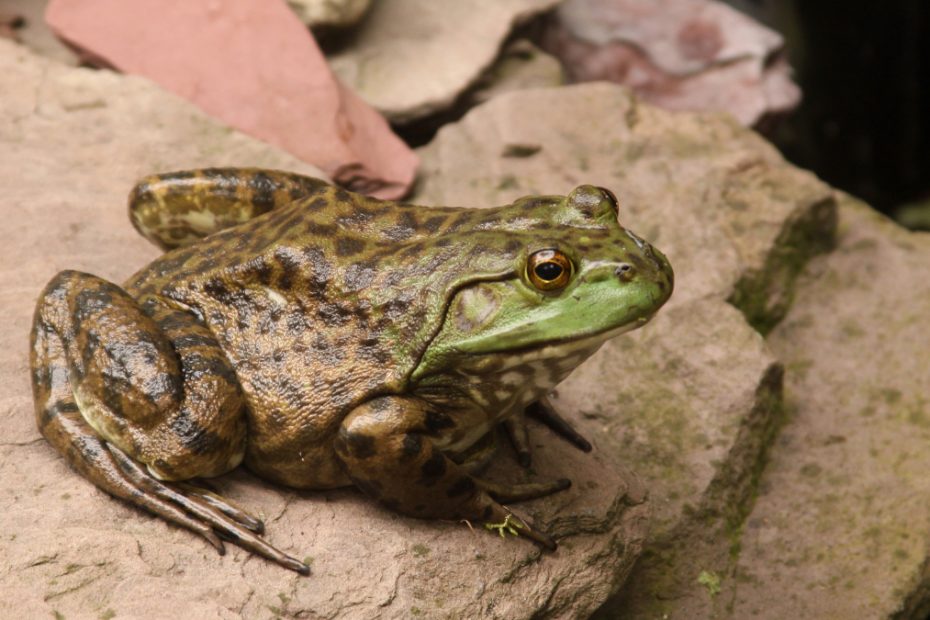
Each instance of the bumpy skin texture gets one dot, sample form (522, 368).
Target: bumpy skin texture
(324, 338)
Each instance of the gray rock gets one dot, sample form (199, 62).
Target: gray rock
(72, 142)
(841, 525)
(330, 13)
(410, 58)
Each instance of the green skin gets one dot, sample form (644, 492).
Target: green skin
(327, 339)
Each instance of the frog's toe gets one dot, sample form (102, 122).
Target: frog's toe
(544, 411)
(516, 430)
(506, 493)
(504, 522)
(215, 500)
(207, 517)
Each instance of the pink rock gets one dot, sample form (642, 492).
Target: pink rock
(253, 65)
(678, 54)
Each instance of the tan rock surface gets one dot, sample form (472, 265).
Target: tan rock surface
(254, 66)
(692, 400)
(335, 13)
(410, 58)
(72, 141)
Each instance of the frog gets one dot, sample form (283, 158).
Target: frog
(324, 339)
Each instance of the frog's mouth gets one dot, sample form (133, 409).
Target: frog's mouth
(557, 347)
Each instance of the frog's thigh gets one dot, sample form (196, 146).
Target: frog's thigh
(178, 208)
(158, 386)
(388, 453)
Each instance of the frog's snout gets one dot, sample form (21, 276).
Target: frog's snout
(625, 272)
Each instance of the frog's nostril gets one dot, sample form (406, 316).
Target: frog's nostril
(624, 271)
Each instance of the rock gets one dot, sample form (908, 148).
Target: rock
(9, 24)
(841, 528)
(35, 34)
(692, 400)
(330, 13)
(74, 141)
(678, 54)
(412, 58)
(253, 65)
(521, 65)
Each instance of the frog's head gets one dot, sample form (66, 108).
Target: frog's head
(576, 275)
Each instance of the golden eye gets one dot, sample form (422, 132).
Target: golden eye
(612, 198)
(549, 270)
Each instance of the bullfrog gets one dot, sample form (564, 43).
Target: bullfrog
(325, 339)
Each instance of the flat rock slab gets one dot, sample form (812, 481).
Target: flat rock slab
(253, 65)
(410, 58)
(73, 142)
(692, 400)
(841, 528)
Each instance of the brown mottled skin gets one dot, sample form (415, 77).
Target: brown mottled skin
(325, 339)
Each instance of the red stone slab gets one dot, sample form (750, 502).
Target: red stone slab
(253, 65)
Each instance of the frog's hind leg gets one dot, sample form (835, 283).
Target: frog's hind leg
(179, 208)
(111, 380)
(388, 451)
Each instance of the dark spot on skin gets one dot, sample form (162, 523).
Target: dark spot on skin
(434, 467)
(436, 421)
(412, 446)
(263, 272)
(640, 264)
(462, 486)
(290, 267)
(348, 246)
(262, 189)
(216, 289)
(434, 223)
(194, 437)
(443, 242)
(513, 246)
(358, 276)
(360, 446)
(321, 230)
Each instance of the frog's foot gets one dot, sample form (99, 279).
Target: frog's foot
(505, 522)
(388, 451)
(545, 412)
(510, 525)
(200, 511)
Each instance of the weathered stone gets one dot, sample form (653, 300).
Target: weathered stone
(411, 58)
(330, 13)
(73, 141)
(677, 54)
(841, 528)
(692, 400)
(520, 66)
(252, 65)
(35, 33)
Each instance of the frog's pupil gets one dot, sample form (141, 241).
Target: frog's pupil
(548, 271)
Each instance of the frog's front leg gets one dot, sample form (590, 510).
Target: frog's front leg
(386, 446)
(179, 208)
(136, 396)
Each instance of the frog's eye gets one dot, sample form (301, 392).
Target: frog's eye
(549, 270)
(612, 198)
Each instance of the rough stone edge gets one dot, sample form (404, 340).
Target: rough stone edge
(765, 294)
(718, 519)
